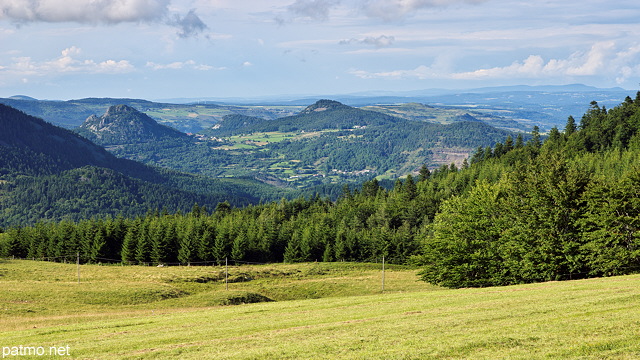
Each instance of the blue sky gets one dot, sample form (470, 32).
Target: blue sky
(153, 49)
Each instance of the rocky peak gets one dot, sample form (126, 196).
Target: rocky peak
(324, 105)
(119, 110)
(122, 124)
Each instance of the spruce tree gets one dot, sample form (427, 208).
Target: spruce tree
(570, 127)
(424, 173)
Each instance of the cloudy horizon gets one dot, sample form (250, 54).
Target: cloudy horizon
(64, 49)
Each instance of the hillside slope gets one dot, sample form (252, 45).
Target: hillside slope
(122, 124)
(170, 312)
(334, 141)
(184, 117)
(50, 173)
(326, 143)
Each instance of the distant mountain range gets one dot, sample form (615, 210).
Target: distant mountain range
(372, 97)
(511, 107)
(188, 118)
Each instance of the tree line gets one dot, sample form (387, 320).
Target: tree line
(563, 207)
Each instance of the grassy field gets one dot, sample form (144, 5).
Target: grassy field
(319, 310)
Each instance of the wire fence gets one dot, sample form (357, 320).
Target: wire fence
(219, 262)
(224, 263)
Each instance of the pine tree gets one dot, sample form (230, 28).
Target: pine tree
(130, 243)
(424, 173)
(219, 251)
(239, 247)
(535, 141)
(143, 246)
(186, 244)
(410, 190)
(292, 252)
(159, 246)
(508, 144)
(327, 255)
(570, 127)
(98, 243)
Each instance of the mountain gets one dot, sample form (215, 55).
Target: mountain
(545, 105)
(184, 117)
(331, 142)
(326, 144)
(37, 139)
(324, 105)
(50, 173)
(122, 124)
(233, 123)
(322, 115)
(510, 107)
(22, 97)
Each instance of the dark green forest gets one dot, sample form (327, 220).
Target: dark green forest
(565, 207)
(48, 174)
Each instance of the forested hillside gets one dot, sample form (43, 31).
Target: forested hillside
(327, 143)
(565, 209)
(122, 124)
(49, 173)
(518, 212)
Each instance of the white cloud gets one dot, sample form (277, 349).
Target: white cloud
(603, 59)
(387, 10)
(179, 65)
(314, 9)
(397, 9)
(66, 63)
(421, 72)
(83, 11)
(379, 41)
(101, 12)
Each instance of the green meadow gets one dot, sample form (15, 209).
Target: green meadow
(307, 311)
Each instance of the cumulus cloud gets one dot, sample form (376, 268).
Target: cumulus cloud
(602, 59)
(68, 62)
(83, 11)
(100, 12)
(379, 42)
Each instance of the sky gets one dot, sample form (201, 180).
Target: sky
(159, 49)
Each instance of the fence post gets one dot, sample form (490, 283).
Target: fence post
(382, 273)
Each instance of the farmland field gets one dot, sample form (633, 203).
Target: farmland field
(305, 311)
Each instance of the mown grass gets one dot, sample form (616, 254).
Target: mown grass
(33, 292)
(586, 319)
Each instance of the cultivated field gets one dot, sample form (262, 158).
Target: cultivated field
(319, 311)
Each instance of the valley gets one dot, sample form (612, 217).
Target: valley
(326, 143)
